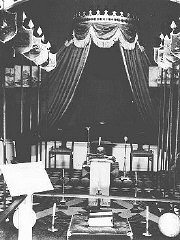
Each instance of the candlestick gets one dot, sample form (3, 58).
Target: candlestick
(147, 234)
(53, 229)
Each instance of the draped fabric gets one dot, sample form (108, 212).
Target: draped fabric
(62, 82)
(137, 67)
(105, 35)
(72, 57)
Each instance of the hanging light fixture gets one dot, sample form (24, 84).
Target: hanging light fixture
(167, 55)
(23, 40)
(39, 51)
(8, 25)
(50, 64)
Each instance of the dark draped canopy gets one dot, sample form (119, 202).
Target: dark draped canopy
(61, 84)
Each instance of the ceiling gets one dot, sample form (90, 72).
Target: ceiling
(56, 16)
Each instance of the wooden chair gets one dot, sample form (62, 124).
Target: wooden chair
(62, 150)
(140, 152)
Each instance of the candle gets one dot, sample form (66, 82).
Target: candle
(53, 215)
(136, 176)
(99, 141)
(147, 234)
(147, 216)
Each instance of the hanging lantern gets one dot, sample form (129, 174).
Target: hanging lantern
(23, 40)
(8, 26)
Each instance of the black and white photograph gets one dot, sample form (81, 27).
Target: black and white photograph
(89, 119)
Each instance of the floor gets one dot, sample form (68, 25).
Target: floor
(43, 207)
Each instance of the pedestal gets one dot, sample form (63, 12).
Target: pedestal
(24, 219)
(99, 180)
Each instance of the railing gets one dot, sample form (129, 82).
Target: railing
(12, 207)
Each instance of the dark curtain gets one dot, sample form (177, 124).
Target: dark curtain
(62, 82)
(103, 95)
(137, 68)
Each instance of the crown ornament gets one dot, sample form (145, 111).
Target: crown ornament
(105, 17)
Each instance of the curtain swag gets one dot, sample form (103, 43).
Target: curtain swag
(104, 35)
(71, 60)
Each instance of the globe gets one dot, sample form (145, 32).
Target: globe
(169, 224)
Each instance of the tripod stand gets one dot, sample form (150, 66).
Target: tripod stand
(88, 145)
(124, 177)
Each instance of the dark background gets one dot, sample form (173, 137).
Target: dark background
(103, 94)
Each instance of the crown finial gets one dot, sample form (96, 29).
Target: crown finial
(173, 25)
(121, 14)
(106, 12)
(108, 18)
(90, 12)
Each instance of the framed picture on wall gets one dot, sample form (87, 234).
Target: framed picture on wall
(155, 76)
(22, 76)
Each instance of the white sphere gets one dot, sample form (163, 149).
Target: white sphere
(16, 218)
(169, 224)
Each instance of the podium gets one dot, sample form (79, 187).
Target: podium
(100, 180)
(25, 179)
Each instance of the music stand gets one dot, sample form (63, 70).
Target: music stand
(25, 179)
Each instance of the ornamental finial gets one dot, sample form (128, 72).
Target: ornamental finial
(173, 25)
(107, 18)
(106, 12)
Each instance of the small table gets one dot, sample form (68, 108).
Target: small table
(79, 229)
(60, 151)
(143, 153)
